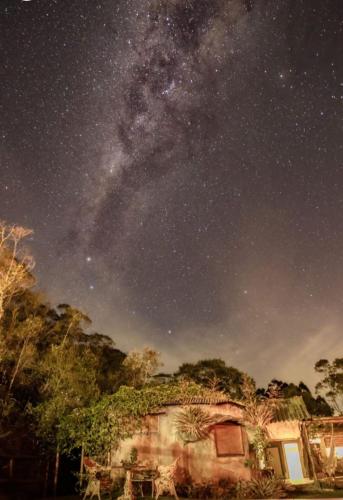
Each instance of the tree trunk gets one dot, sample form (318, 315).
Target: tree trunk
(16, 368)
(261, 456)
(46, 477)
(57, 466)
(81, 465)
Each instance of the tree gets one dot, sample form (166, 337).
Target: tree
(70, 375)
(258, 412)
(278, 389)
(110, 372)
(19, 340)
(16, 263)
(332, 382)
(50, 364)
(215, 374)
(139, 367)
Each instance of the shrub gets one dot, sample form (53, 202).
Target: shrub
(263, 487)
(117, 487)
(202, 491)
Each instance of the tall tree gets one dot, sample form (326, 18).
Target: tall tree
(258, 412)
(215, 374)
(332, 382)
(139, 367)
(16, 263)
(316, 406)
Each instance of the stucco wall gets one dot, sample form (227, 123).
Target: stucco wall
(199, 460)
(281, 431)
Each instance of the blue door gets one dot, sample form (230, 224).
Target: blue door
(293, 461)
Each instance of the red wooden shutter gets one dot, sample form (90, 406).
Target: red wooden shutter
(229, 440)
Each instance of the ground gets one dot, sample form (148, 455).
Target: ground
(300, 496)
(319, 494)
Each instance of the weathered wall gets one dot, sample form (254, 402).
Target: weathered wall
(199, 460)
(284, 430)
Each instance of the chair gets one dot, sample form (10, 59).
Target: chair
(164, 483)
(93, 487)
(95, 480)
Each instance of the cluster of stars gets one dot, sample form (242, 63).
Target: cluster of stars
(181, 165)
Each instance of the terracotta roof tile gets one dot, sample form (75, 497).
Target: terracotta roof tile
(196, 400)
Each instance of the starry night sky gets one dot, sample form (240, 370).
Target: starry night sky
(181, 164)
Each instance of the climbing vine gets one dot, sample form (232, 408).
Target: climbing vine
(116, 417)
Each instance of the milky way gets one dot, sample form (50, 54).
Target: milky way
(181, 165)
(168, 75)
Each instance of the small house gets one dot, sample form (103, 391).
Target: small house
(221, 454)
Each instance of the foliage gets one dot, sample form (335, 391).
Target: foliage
(117, 488)
(262, 487)
(214, 374)
(20, 353)
(258, 413)
(332, 382)
(139, 367)
(132, 458)
(193, 424)
(222, 489)
(19, 341)
(16, 263)
(118, 416)
(48, 362)
(318, 406)
(279, 389)
(70, 383)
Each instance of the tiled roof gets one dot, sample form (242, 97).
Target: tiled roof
(289, 409)
(196, 400)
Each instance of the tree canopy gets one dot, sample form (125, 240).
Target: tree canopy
(331, 384)
(214, 373)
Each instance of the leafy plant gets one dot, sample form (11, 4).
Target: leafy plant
(193, 424)
(132, 458)
(258, 413)
(262, 487)
(113, 418)
(222, 489)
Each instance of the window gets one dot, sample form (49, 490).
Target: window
(229, 440)
(338, 440)
(150, 424)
